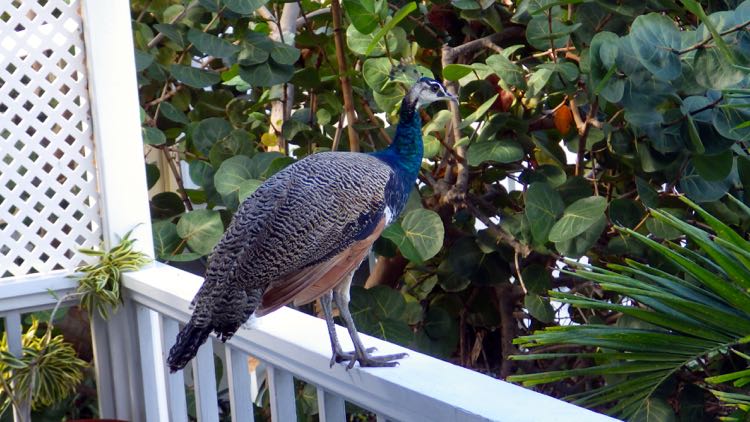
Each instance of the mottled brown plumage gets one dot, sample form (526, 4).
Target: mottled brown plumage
(302, 234)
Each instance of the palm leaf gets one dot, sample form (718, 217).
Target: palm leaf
(698, 313)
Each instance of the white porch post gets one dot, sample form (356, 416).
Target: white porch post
(118, 146)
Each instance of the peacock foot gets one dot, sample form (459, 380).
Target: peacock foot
(368, 361)
(339, 356)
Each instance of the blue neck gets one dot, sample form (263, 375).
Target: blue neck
(404, 154)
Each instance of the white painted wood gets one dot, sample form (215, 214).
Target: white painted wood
(421, 388)
(238, 379)
(113, 91)
(123, 197)
(175, 381)
(126, 359)
(204, 381)
(281, 390)
(31, 293)
(13, 329)
(105, 383)
(331, 407)
(50, 205)
(155, 404)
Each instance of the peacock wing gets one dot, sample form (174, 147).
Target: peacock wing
(294, 231)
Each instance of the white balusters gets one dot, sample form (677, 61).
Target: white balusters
(238, 378)
(281, 388)
(331, 407)
(175, 381)
(204, 381)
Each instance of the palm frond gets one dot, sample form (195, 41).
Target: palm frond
(696, 314)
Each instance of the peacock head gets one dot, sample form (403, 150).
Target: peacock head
(426, 91)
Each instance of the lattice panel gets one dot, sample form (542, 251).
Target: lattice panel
(48, 191)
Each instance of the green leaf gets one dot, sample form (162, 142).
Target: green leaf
(202, 229)
(387, 302)
(655, 40)
(577, 218)
(501, 151)
(539, 308)
(359, 42)
(694, 7)
(602, 55)
(153, 136)
(625, 212)
(389, 97)
(201, 173)
(284, 54)
(244, 7)
(538, 80)
(713, 71)
(208, 131)
(543, 207)
(537, 279)
(478, 113)
(376, 72)
(142, 60)
(211, 44)
(400, 15)
(231, 175)
(694, 136)
(647, 194)
(539, 34)
(173, 32)
(701, 190)
(508, 71)
(173, 113)
(255, 49)
(579, 245)
(714, 167)
(152, 175)
(269, 73)
(425, 231)
(194, 77)
(166, 239)
(166, 204)
(654, 409)
(364, 14)
(454, 72)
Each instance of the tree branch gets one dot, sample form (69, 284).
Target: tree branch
(478, 44)
(346, 86)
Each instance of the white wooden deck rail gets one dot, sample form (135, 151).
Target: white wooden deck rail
(71, 175)
(292, 345)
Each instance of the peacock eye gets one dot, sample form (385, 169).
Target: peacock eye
(434, 88)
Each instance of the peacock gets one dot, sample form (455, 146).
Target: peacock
(301, 235)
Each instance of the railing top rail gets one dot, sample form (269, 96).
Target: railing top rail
(420, 388)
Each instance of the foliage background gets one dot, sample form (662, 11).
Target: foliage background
(574, 116)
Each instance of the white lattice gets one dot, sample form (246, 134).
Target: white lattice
(48, 191)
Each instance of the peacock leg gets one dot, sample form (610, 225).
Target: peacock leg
(338, 353)
(361, 354)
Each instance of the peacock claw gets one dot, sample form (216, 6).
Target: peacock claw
(368, 361)
(339, 356)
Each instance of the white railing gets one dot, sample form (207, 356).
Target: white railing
(295, 345)
(291, 345)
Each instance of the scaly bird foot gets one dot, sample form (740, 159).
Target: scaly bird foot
(339, 356)
(367, 361)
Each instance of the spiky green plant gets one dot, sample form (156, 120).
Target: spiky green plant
(695, 317)
(47, 371)
(99, 284)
